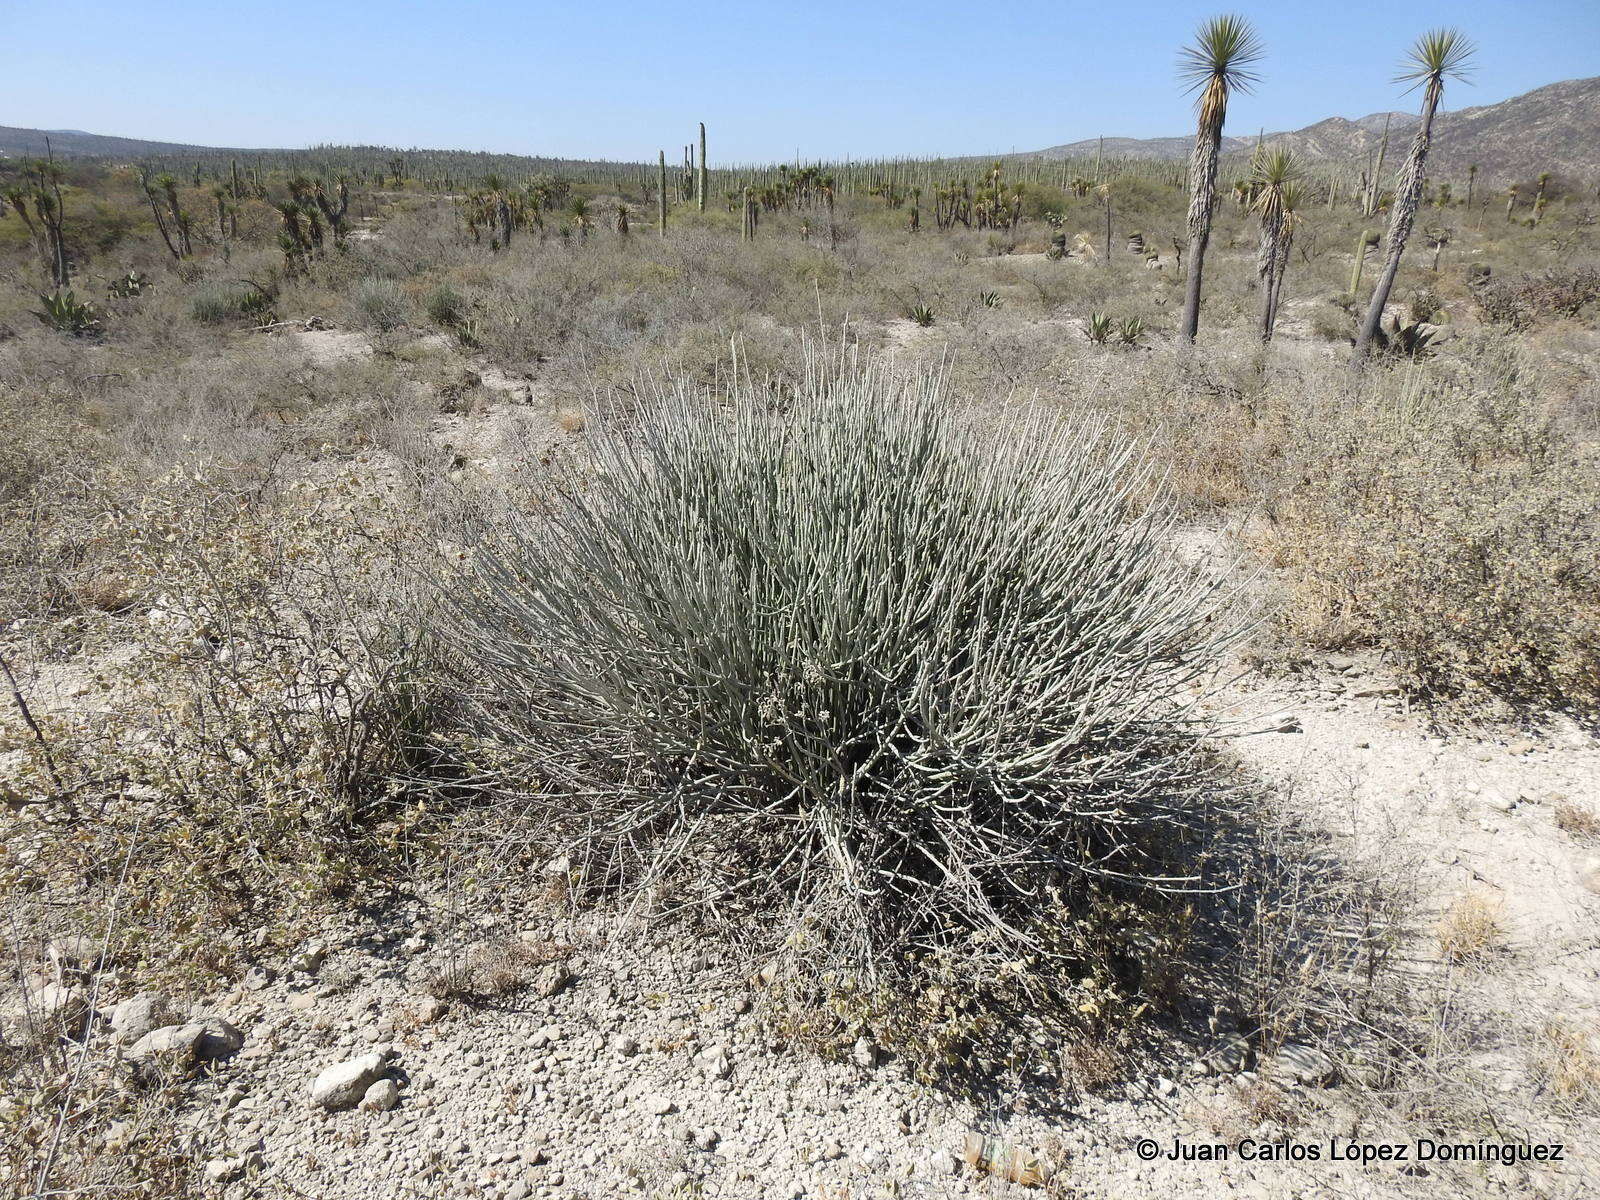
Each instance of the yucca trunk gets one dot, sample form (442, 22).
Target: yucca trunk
(1407, 196)
(1202, 199)
(1281, 269)
(1267, 268)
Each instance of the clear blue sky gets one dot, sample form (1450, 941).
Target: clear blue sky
(620, 79)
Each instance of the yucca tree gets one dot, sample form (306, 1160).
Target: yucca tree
(1437, 55)
(582, 220)
(1293, 199)
(1274, 175)
(1216, 65)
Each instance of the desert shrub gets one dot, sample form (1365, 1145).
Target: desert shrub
(1425, 305)
(249, 757)
(65, 313)
(219, 303)
(445, 306)
(1329, 324)
(381, 303)
(869, 675)
(1520, 303)
(1448, 520)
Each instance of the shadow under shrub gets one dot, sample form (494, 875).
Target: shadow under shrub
(853, 669)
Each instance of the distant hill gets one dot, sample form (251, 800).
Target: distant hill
(1554, 128)
(75, 143)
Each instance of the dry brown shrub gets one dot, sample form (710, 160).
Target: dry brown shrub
(1577, 820)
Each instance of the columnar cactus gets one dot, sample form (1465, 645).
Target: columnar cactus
(703, 176)
(752, 215)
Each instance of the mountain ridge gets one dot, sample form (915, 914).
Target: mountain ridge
(1551, 128)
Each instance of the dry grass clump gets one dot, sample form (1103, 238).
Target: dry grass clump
(498, 968)
(1576, 819)
(1567, 1061)
(1470, 932)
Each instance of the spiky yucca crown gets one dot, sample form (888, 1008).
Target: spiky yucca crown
(1219, 60)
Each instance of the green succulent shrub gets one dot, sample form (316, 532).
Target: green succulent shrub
(382, 304)
(1100, 328)
(62, 311)
(922, 314)
(446, 307)
(876, 675)
(221, 303)
(125, 287)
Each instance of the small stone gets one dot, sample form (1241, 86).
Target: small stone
(864, 1053)
(1589, 875)
(550, 980)
(142, 1014)
(624, 1045)
(658, 1105)
(1498, 801)
(1307, 1065)
(309, 960)
(381, 1096)
(345, 1084)
(224, 1170)
(1165, 1086)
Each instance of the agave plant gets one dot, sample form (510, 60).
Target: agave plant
(989, 299)
(1130, 331)
(1099, 328)
(1409, 339)
(65, 313)
(921, 314)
